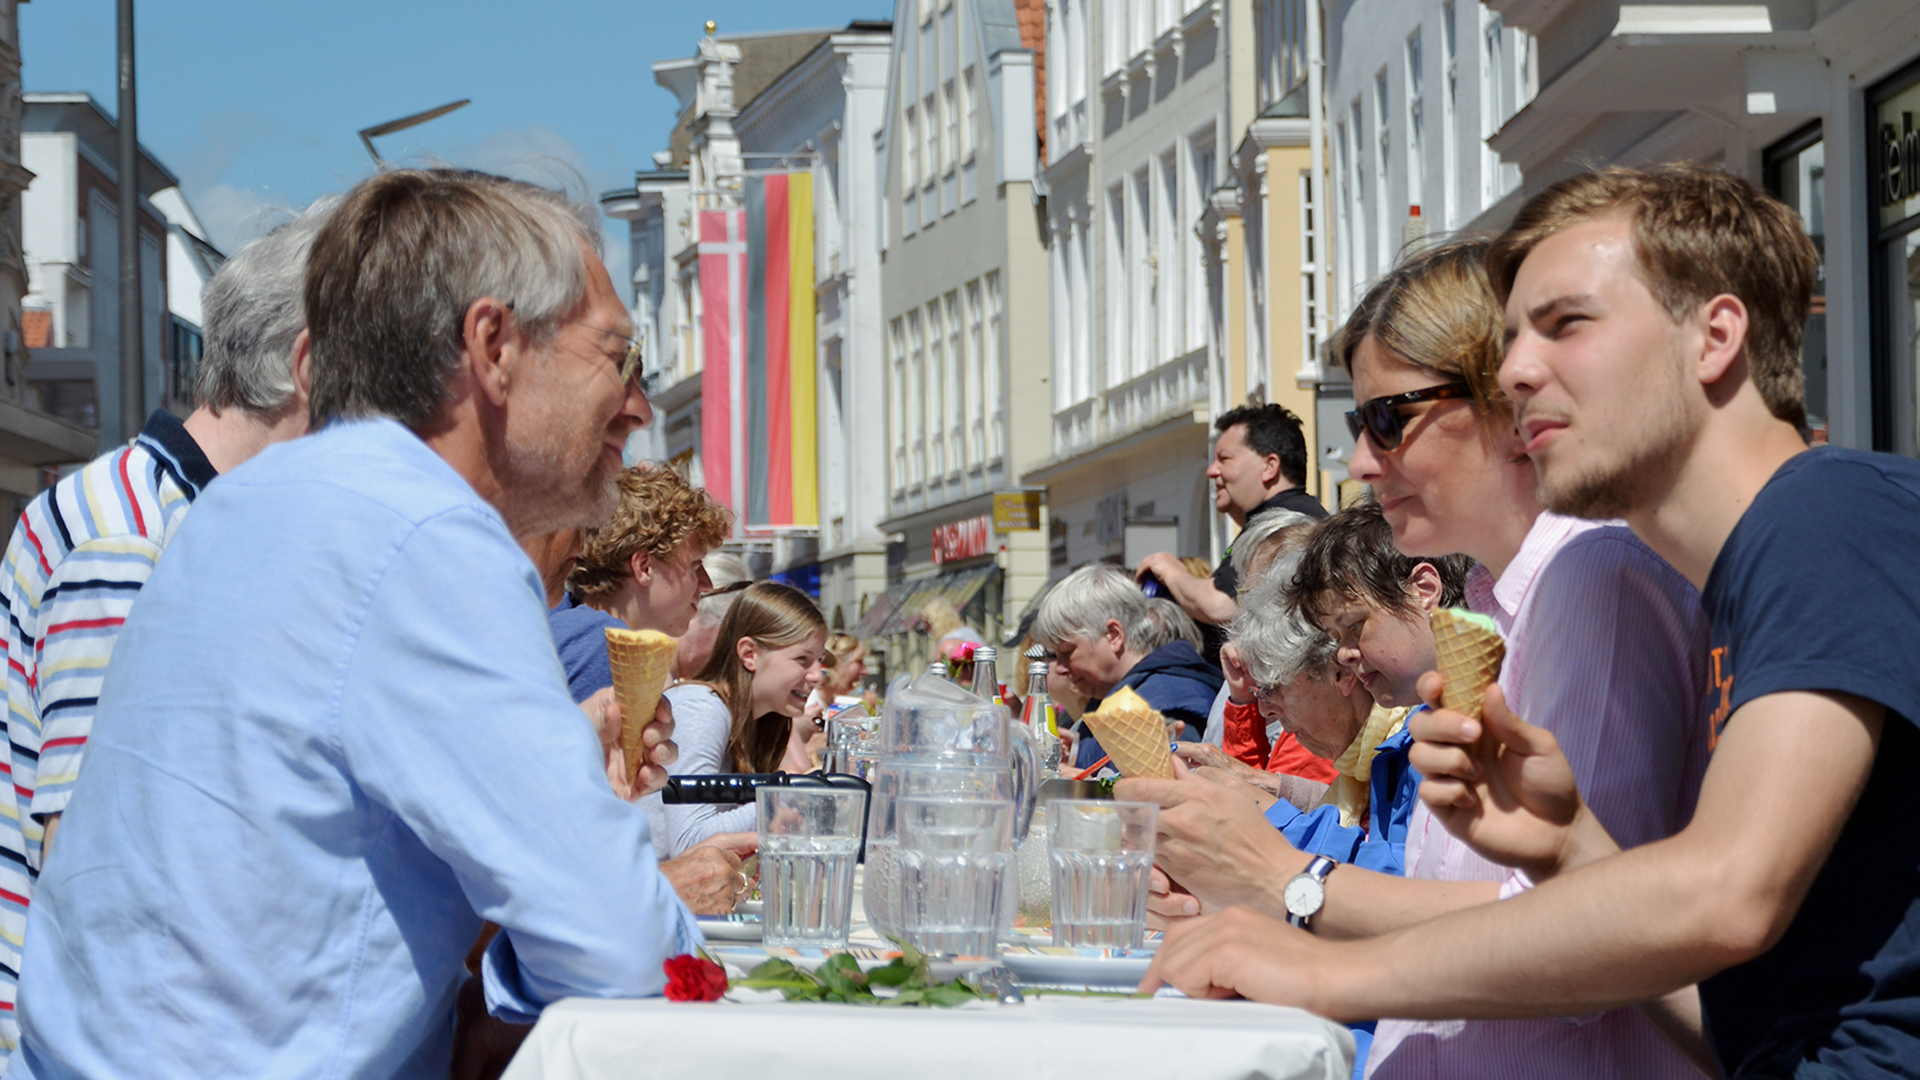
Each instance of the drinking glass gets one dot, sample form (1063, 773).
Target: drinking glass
(853, 743)
(954, 859)
(809, 839)
(1102, 857)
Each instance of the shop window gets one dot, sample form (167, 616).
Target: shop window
(1893, 144)
(1795, 173)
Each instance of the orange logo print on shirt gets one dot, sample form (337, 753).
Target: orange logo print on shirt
(1723, 683)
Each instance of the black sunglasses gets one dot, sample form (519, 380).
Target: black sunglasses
(1381, 417)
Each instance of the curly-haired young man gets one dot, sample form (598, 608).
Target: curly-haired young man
(641, 570)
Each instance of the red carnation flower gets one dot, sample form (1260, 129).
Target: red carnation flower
(694, 978)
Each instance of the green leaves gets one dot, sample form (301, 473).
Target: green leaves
(840, 979)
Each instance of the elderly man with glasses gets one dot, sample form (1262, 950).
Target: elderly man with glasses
(287, 843)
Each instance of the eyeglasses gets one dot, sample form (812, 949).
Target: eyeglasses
(629, 368)
(1381, 417)
(630, 364)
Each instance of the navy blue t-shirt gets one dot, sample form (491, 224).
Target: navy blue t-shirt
(580, 637)
(1818, 588)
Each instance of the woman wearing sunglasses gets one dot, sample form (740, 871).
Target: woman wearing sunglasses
(1602, 637)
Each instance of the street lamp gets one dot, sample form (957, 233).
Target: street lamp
(391, 126)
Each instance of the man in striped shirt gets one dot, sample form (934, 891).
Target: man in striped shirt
(84, 548)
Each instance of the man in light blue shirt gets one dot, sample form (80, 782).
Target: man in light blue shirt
(335, 736)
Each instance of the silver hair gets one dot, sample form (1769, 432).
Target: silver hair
(1253, 540)
(1276, 643)
(1166, 624)
(252, 313)
(407, 253)
(713, 607)
(1085, 600)
(724, 568)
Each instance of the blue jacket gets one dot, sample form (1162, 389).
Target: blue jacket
(1174, 680)
(1391, 791)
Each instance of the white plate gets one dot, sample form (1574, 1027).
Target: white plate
(1100, 969)
(730, 927)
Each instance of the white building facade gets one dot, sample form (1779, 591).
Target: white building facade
(965, 302)
(1142, 103)
(1415, 88)
(1817, 103)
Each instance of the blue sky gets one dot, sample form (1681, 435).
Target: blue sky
(254, 104)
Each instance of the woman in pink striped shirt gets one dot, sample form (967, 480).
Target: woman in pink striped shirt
(1603, 638)
(1601, 634)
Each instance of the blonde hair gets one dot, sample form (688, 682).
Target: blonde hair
(774, 616)
(1437, 310)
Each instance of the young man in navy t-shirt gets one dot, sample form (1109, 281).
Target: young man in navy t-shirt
(1654, 325)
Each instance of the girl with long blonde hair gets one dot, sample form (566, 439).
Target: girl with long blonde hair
(737, 715)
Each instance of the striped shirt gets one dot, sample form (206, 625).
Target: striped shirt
(78, 558)
(1606, 648)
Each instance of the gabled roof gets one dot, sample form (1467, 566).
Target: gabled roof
(78, 113)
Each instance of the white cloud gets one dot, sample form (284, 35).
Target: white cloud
(541, 155)
(233, 216)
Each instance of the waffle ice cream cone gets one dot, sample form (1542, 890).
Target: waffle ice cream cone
(640, 660)
(1133, 734)
(1467, 651)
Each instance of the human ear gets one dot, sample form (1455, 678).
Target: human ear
(641, 567)
(1424, 584)
(1115, 637)
(1723, 326)
(488, 347)
(1269, 469)
(748, 650)
(302, 370)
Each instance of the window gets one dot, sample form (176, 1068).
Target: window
(911, 177)
(995, 364)
(187, 348)
(1796, 174)
(950, 152)
(1115, 23)
(969, 117)
(897, 391)
(978, 451)
(1310, 241)
(917, 398)
(1116, 299)
(1492, 101)
(1200, 152)
(931, 146)
(1351, 142)
(1382, 210)
(1449, 123)
(957, 388)
(1416, 122)
(1171, 262)
(1145, 275)
(1283, 52)
(936, 403)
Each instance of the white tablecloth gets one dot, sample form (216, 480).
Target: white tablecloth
(1047, 1038)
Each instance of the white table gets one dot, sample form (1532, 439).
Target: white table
(1048, 1038)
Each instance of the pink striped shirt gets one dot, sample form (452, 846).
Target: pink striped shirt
(1606, 647)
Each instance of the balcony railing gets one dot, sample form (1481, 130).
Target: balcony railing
(1172, 388)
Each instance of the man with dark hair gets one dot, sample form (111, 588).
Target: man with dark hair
(335, 737)
(1259, 464)
(84, 548)
(1653, 324)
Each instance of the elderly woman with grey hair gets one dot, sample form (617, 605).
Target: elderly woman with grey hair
(1104, 633)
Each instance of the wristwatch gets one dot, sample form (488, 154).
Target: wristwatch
(1306, 892)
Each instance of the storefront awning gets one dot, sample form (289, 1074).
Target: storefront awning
(898, 609)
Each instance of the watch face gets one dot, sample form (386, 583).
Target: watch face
(1303, 895)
